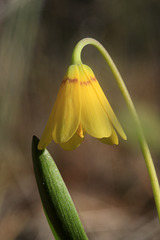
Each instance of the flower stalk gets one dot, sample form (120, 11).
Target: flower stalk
(76, 58)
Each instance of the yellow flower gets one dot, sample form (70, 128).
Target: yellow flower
(80, 107)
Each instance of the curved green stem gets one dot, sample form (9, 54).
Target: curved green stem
(76, 59)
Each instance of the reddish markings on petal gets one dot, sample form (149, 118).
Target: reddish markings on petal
(69, 80)
(93, 79)
(85, 83)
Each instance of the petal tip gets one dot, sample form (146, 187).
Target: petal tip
(40, 146)
(124, 136)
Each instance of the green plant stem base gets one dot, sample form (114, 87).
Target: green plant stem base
(57, 203)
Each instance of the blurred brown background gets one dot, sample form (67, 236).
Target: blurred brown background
(109, 184)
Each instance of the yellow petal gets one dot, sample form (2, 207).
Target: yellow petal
(47, 133)
(113, 139)
(104, 102)
(65, 116)
(67, 107)
(72, 143)
(94, 119)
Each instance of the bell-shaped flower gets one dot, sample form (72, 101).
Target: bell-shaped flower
(80, 107)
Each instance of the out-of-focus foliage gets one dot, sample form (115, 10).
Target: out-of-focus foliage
(110, 185)
(150, 119)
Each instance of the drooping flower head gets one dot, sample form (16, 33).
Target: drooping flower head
(80, 107)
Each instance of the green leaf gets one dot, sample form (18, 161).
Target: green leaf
(58, 205)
